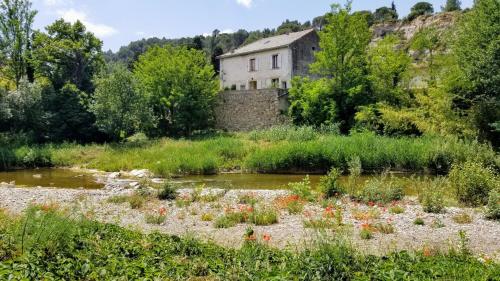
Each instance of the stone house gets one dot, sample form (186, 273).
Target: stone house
(270, 62)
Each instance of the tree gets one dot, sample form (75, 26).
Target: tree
(68, 57)
(385, 14)
(181, 88)
(289, 26)
(427, 42)
(452, 5)
(67, 53)
(120, 108)
(420, 9)
(16, 21)
(342, 61)
(477, 50)
(368, 15)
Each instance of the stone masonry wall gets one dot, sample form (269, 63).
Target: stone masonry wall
(250, 110)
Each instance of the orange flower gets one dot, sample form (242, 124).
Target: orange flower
(162, 211)
(427, 252)
(371, 204)
(250, 237)
(266, 237)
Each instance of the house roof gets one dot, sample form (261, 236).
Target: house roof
(269, 43)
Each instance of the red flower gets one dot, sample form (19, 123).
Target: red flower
(371, 204)
(163, 211)
(266, 237)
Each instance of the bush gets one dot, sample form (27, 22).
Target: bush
(381, 191)
(136, 201)
(432, 198)
(462, 218)
(473, 182)
(167, 191)
(302, 189)
(493, 209)
(264, 216)
(329, 184)
(419, 221)
(366, 234)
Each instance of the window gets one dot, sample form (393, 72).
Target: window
(314, 48)
(252, 66)
(284, 85)
(275, 64)
(275, 83)
(243, 87)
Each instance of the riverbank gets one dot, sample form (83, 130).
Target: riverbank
(254, 152)
(199, 218)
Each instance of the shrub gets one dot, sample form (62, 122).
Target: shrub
(472, 183)
(379, 190)
(366, 234)
(364, 215)
(396, 209)
(385, 228)
(136, 201)
(248, 199)
(167, 191)
(321, 223)
(493, 209)
(292, 203)
(437, 223)
(264, 216)
(419, 221)
(432, 198)
(207, 217)
(302, 189)
(157, 218)
(118, 199)
(329, 184)
(462, 218)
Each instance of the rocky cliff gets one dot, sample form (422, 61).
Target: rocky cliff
(409, 29)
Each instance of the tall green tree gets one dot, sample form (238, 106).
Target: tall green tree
(16, 21)
(181, 88)
(343, 60)
(477, 50)
(385, 14)
(452, 5)
(120, 108)
(420, 9)
(68, 57)
(68, 53)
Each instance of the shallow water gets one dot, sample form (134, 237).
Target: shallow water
(272, 181)
(63, 178)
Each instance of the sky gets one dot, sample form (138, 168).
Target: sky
(118, 22)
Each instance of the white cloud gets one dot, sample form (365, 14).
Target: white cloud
(100, 30)
(53, 3)
(246, 3)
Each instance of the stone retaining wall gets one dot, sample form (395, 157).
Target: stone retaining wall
(249, 110)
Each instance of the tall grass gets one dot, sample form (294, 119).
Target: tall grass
(281, 149)
(376, 153)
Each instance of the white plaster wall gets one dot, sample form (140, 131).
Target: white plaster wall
(235, 70)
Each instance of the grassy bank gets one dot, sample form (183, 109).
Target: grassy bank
(48, 245)
(269, 152)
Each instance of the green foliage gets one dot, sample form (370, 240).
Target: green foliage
(302, 189)
(167, 191)
(329, 184)
(385, 14)
(68, 54)
(103, 251)
(16, 31)
(432, 196)
(342, 59)
(379, 190)
(493, 208)
(264, 216)
(472, 182)
(419, 221)
(285, 132)
(462, 218)
(366, 234)
(452, 5)
(181, 87)
(476, 46)
(420, 9)
(120, 109)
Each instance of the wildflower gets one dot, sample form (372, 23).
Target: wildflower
(266, 237)
(162, 211)
(250, 237)
(427, 252)
(371, 204)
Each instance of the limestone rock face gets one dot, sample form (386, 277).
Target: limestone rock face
(409, 29)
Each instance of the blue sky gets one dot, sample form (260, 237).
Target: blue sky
(117, 22)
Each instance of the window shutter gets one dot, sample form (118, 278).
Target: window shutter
(280, 63)
(248, 65)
